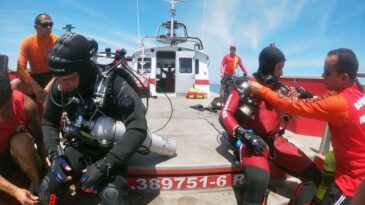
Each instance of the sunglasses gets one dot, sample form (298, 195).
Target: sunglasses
(328, 72)
(46, 25)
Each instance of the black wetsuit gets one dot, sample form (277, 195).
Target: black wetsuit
(123, 104)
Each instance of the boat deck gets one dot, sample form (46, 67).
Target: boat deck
(204, 170)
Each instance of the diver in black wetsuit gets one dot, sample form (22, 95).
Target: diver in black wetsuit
(99, 164)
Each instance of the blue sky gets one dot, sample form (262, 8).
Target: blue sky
(305, 30)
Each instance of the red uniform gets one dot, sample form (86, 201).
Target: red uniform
(230, 63)
(345, 114)
(16, 123)
(170, 81)
(266, 123)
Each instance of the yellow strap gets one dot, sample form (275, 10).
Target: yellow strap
(235, 63)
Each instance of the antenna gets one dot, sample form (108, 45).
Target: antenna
(68, 27)
(203, 20)
(173, 13)
(138, 28)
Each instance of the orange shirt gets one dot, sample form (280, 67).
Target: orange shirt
(230, 63)
(345, 114)
(34, 50)
(332, 108)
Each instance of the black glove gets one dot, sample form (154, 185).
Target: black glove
(303, 93)
(96, 174)
(61, 169)
(254, 142)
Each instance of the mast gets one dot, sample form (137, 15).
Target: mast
(170, 37)
(173, 13)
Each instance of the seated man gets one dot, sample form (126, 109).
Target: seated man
(19, 128)
(33, 50)
(254, 121)
(97, 160)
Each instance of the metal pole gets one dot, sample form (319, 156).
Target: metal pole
(326, 141)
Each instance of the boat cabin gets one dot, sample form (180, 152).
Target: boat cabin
(176, 66)
(172, 70)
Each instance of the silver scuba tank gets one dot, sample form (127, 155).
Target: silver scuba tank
(160, 145)
(107, 131)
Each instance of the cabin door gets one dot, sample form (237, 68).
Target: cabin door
(185, 77)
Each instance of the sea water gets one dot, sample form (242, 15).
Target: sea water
(215, 87)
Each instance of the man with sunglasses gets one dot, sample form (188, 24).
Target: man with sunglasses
(343, 108)
(33, 50)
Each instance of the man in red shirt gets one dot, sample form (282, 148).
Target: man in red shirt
(344, 111)
(19, 129)
(228, 69)
(169, 85)
(230, 63)
(33, 50)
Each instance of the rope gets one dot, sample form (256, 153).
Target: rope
(203, 20)
(138, 27)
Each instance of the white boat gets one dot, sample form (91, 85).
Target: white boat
(183, 54)
(204, 170)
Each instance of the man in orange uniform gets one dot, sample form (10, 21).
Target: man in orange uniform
(228, 68)
(33, 50)
(19, 128)
(344, 111)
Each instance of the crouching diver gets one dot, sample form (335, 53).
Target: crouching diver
(77, 98)
(256, 123)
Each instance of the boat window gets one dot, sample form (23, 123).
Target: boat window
(196, 66)
(186, 65)
(146, 64)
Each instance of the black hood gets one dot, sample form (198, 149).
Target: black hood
(268, 58)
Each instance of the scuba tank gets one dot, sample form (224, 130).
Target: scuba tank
(329, 167)
(107, 131)
(160, 145)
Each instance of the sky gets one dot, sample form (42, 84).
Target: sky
(305, 30)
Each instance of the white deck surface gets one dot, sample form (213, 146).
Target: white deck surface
(199, 144)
